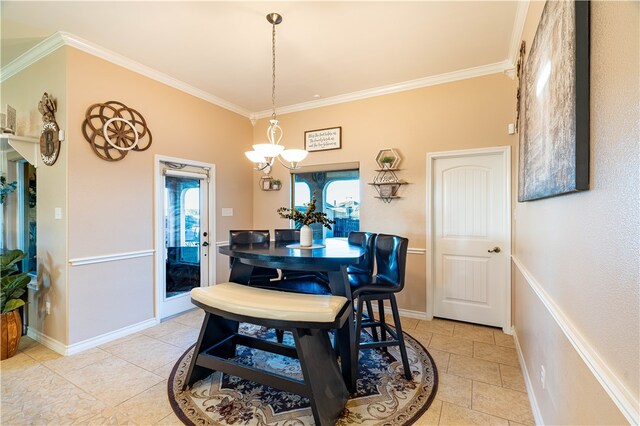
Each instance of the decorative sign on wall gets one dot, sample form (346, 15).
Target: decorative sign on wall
(113, 130)
(323, 139)
(49, 140)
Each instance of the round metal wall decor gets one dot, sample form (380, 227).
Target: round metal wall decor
(49, 141)
(113, 130)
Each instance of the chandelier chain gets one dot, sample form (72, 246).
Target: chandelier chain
(273, 59)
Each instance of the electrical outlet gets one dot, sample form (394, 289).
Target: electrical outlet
(47, 307)
(543, 374)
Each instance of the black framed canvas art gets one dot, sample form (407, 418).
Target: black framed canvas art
(554, 131)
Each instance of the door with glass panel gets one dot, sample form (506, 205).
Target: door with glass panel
(186, 242)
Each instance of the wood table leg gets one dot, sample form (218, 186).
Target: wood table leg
(339, 283)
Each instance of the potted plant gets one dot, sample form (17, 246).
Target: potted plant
(275, 184)
(305, 219)
(387, 161)
(13, 286)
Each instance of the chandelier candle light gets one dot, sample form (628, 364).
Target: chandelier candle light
(264, 154)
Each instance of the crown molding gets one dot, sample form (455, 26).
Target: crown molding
(495, 68)
(115, 58)
(31, 56)
(62, 38)
(518, 28)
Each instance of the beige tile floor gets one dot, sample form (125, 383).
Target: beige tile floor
(125, 381)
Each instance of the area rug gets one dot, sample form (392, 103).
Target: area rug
(383, 395)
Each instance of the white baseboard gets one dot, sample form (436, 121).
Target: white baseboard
(47, 341)
(622, 397)
(109, 337)
(537, 415)
(89, 343)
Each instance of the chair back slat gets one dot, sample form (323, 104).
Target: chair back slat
(366, 240)
(391, 259)
(249, 236)
(253, 236)
(286, 235)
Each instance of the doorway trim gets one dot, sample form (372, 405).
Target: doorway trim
(505, 151)
(158, 235)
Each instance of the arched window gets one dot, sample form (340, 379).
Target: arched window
(337, 191)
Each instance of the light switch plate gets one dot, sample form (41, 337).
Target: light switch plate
(57, 213)
(227, 211)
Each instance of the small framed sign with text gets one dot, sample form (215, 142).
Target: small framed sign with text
(323, 139)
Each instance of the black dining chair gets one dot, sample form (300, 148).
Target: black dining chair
(363, 271)
(291, 236)
(391, 261)
(259, 276)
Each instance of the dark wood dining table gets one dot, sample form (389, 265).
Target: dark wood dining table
(333, 258)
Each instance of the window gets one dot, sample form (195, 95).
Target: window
(337, 192)
(342, 197)
(302, 195)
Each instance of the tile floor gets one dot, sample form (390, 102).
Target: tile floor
(125, 381)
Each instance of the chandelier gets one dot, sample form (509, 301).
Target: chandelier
(264, 154)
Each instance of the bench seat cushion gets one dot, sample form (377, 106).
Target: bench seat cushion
(270, 304)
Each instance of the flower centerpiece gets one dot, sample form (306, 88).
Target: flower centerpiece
(306, 218)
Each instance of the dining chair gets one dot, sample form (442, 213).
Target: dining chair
(307, 282)
(290, 236)
(363, 271)
(391, 261)
(260, 275)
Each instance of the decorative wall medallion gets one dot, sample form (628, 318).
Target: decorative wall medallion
(113, 130)
(49, 141)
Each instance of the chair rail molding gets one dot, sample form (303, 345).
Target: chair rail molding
(417, 250)
(620, 395)
(110, 257)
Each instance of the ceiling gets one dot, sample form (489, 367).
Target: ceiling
(324, 49)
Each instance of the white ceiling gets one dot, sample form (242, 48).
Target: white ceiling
(323, 48)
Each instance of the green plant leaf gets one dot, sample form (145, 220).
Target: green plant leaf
(12, 305)
(12, 284)
(10, 258)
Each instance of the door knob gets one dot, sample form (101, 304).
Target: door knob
(206, 244)
(494, 250)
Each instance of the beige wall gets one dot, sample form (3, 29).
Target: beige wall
(111, 204)
(582, 249)
(23, 91)
(465, 114)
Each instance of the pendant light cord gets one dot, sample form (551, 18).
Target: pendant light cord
(273, 58)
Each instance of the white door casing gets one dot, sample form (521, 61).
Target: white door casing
(469, 205)
(168, 306)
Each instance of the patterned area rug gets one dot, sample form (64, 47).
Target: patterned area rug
(383, 396)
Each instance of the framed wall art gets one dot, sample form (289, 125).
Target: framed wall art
(554, 127)
(323, 139)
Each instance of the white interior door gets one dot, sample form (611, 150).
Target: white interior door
(184, 237)
(470, 238)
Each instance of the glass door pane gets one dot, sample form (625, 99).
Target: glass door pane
(182, 220)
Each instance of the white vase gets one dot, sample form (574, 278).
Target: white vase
(306, 236)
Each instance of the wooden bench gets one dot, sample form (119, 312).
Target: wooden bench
(308, 317)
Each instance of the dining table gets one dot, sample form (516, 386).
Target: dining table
(331, 255)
